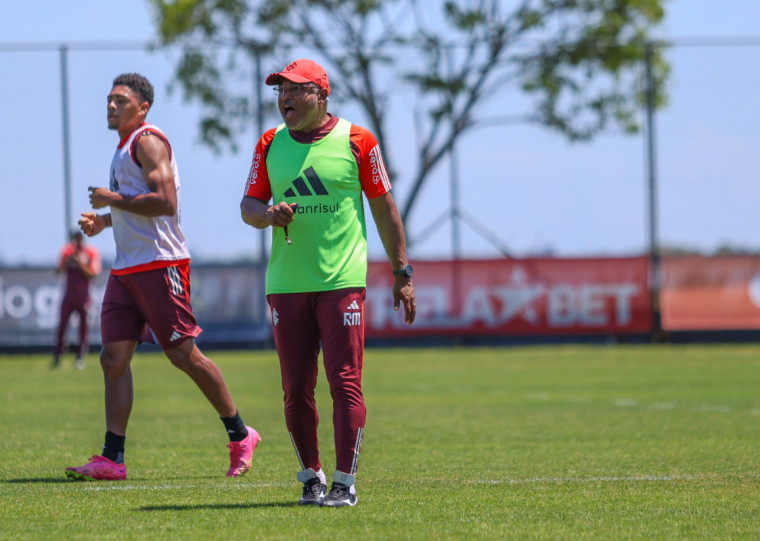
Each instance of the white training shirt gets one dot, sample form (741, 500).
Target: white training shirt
(141, 240)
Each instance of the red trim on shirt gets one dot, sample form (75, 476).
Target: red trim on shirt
(150, 131)
(126, 137)
(158, 264)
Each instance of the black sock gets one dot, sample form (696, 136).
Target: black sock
(114, 447)
(235, 426)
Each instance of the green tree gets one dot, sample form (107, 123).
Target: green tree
(581, 62)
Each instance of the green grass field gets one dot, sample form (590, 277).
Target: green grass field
(621, 442)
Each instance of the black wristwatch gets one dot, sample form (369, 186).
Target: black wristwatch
(406, 270)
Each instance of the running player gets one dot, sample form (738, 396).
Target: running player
(149, 285)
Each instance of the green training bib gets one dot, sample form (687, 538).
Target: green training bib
(329, 232)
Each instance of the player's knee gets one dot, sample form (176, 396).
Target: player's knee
(298, 388)
(177, 358)
(191, 360)
(113, 365)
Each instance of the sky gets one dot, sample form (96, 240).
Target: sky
(530, 191)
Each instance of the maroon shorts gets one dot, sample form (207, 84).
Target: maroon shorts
(159, 298)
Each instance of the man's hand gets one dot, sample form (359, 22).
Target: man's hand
(91, 224)
(403, 293)
(101, 197)
(281, 214)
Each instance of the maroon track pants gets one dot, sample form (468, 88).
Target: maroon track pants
(301, 322)
(68, 306)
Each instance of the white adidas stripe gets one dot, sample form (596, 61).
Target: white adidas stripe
(357, 448)
(176, 280)
(377, 157)
(293, 441)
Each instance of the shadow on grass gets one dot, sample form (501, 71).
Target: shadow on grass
(40, 480)
(214, 506)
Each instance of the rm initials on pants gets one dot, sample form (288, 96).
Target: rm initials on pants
(352, 318)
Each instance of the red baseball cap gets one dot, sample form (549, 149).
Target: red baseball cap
(301, 71)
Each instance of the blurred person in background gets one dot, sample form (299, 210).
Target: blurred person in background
(149, 285)
(314, 168)
(81, 263)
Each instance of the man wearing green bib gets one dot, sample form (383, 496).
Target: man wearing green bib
(314, 168)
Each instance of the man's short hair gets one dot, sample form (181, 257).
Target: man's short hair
(138, 84)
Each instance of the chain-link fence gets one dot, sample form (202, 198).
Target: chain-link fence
(521, 189)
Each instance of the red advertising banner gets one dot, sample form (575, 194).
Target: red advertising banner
(700, 293)
(515, 297)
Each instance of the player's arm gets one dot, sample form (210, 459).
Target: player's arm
(255, 209)
(376, 185)
(85, 265)
(62, 258)
(391, 231)
(260, 214)
(153, 155)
